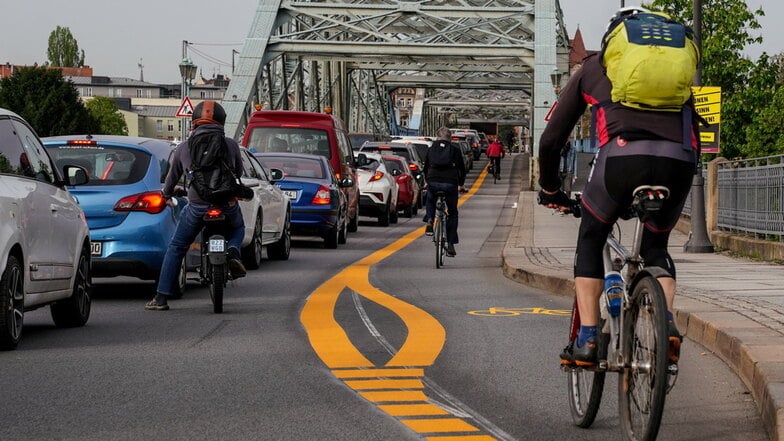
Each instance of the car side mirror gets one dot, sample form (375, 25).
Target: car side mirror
(75, 175)
(361, 160)
(346, 182)
(276, 174)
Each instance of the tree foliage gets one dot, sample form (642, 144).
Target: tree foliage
(63, 50)
(46, 100)
(107, 116)
(747, 87)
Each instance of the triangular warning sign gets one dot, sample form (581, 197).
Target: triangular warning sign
(550, 112)
(186, 108)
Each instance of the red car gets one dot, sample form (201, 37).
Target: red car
(407, 186)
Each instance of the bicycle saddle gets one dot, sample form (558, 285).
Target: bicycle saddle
(649, 199)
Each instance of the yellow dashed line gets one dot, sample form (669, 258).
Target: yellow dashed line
(401, 410)
(385, 384)
(461, 438)
(374, 373)
(444, 425)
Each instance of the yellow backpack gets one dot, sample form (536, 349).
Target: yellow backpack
(650, 60)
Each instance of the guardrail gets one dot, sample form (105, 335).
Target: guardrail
(750, 197)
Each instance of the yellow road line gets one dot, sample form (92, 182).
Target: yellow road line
(400, 381)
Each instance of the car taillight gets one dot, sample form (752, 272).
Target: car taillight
(376, 176)
(322, 196)
(150, 202)
(413, 167)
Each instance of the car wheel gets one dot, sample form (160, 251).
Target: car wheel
(353, 222)
(11, 304)
(343, 232)
(75, 310)
(408, 211)
(182, 280)
(393, 214)
(252, 254)
(281, 249)
(383, 218)
(331, 238)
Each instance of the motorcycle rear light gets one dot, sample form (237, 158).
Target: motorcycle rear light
(413, 167)
(322, 196)
(213, 213)
(150, 202)
(376, 176)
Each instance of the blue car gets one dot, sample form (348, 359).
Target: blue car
(318, 206)
(130, 224)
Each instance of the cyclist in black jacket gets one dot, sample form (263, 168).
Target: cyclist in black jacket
(636, 147)
(444, 171)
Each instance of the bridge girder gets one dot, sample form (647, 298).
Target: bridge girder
(306, 55)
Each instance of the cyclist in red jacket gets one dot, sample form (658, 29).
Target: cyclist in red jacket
(496, 151)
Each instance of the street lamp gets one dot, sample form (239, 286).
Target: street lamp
(555, 78)
(188, 73)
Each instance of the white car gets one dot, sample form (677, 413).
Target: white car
(377, 188)
(44, 238)
(267, 216)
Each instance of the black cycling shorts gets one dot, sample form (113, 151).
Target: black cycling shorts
(620, 167)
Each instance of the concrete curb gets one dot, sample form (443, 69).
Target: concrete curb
(753, 351)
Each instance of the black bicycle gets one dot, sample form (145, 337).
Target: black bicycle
(634, 338)
(439, 228)
(493, 170)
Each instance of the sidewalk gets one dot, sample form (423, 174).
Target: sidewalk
(732, 306)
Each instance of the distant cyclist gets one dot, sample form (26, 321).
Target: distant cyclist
(444, 171)
(496, 151)
(636, 147)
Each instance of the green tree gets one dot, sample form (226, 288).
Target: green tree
(46, 100)
(727, 27)
(63, 50)
(106, 114)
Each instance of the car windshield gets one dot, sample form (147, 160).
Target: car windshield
(289, 139)
(294, 167)
(105, 165)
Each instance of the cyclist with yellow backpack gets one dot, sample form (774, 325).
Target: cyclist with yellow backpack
(644, 120)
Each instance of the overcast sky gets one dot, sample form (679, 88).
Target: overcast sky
(118, 36)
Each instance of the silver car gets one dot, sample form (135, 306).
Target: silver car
(44, 239)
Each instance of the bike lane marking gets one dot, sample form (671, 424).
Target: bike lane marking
(397, 387)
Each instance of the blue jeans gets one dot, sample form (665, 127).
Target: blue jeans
(190, 224)
(451, 205)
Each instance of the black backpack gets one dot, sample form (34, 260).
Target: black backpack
(210, 173)
(440, 157)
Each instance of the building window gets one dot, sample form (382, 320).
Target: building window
(159, 125)
(149, 93)
(202, 94)
(89, 91)
(118, 93)
(139, 93)
(170, 126)
(212, 94)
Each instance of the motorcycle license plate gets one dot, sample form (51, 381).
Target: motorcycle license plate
(217, 245)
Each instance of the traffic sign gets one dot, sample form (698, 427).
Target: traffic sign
(186, 108)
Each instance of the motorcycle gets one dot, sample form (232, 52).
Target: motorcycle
(214, 269)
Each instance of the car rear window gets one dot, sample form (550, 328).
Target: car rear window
(289, 139)
(105, 165)
(400, 151)
(295, 167)
(394, 164)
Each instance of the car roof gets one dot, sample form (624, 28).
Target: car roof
(291, 155)
(153, 145)
(6, 112)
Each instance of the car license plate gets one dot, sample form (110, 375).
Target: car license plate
(216, 245)
(95, 248)
(292, 194)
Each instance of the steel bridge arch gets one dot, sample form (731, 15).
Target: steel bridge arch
(493, 55)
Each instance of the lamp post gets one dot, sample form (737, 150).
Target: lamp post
(699, 241)
(188, 73)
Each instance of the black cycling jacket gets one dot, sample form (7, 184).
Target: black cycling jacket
(590, 85)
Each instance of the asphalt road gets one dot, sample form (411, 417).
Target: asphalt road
(343, 344)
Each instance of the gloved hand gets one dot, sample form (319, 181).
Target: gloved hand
(560, 198)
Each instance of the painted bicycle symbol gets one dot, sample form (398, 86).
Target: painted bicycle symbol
(512, 312)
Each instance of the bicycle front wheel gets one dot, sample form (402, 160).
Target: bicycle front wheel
(642, 385)
(438, 238)
(216, 287)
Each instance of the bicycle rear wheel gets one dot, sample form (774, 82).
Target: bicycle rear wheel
(642, 386)
(216, 287)
(438, 238)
